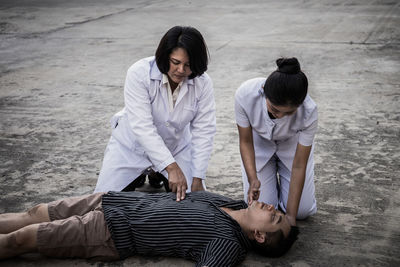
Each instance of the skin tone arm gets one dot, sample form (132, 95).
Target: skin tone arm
(297, 181)
(197, 184)
(248, 158)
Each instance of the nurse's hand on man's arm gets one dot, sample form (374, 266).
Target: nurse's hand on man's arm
(254, 191)
(176, 181)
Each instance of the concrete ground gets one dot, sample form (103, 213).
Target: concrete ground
(62, 69)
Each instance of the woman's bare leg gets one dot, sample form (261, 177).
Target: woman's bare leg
(10, 222)
(19, 242)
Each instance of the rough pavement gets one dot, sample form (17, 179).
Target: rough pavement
(62, 69)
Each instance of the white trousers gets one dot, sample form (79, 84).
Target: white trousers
(122, 165)
(272, 192)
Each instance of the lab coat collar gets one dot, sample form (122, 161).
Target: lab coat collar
(165, 81)
(184, 90)
(155, 74)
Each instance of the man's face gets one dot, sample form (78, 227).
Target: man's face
(265, 218)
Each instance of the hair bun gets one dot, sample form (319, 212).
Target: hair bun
(288, 65)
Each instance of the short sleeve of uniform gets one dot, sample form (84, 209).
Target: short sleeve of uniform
(307, 134)
(240, 114)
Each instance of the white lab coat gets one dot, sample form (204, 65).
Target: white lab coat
(275, 142)
(147, 134)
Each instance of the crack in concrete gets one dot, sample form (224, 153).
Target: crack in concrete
(384, 21)
(69, 25)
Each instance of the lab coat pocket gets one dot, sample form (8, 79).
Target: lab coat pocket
(187, 115)
(139, 150)
(121, 131)
(114, 120)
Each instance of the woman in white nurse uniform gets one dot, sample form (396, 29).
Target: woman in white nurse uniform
(277, 122)
(168, 122)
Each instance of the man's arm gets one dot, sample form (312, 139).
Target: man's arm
(222, 252)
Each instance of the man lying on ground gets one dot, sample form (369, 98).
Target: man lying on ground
(210, 229)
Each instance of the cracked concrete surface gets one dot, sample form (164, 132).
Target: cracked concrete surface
(62, 68)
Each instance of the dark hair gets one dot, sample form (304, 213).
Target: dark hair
(287, 86)
(189, 39)
(277, 244)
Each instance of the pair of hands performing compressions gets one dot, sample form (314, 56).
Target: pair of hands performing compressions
(178, 184)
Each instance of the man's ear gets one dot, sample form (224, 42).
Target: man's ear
(259, 236)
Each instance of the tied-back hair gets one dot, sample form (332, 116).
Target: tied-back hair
(277, 244)
(189, 39)
(288, 85)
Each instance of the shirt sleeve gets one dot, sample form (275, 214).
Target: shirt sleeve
(240, 114)
(307, 135)
(137, 103)
(222, 252)
(203, 128)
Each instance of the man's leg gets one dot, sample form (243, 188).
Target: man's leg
(10, 222)
(19, 242)
(85, 236)
(77, 223)
(60, 209)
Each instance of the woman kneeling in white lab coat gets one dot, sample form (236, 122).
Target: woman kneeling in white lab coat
(168, 122)
(277, 122)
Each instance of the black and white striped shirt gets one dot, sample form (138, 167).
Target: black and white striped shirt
(194, 228)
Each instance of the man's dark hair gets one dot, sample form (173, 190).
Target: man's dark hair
(287, 85)
(189, 39)
(276, 244)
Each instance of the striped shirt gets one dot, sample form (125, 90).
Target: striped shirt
(194, 228)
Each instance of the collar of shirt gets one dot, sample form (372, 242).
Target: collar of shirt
(236, 205)
(172, 97)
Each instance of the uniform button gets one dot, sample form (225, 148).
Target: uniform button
(167, 124)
